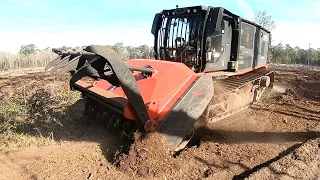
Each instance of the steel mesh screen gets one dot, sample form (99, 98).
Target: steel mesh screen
(180, 38)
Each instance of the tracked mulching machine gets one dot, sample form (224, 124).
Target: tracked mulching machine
(209, 64)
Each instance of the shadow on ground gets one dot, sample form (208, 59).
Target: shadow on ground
(68, 124)
(231, 137)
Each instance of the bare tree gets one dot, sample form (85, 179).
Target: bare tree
(264, 20)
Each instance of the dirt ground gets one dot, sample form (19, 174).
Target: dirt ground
(301, 163)
(276, 138)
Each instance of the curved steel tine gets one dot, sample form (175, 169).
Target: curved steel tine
(70, 65)
(61, 63)
(58, 62)
(52, 63)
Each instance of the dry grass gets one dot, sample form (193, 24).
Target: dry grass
(18, 61)
(36, 112)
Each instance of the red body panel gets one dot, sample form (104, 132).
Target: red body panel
(160, 92)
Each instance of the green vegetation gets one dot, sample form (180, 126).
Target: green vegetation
(28, 49)
(12, 111)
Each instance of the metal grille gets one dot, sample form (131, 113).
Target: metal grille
(180, 37)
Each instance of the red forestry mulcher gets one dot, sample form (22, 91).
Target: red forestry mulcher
(209, 64)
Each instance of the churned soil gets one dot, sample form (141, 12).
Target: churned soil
(276, 138)
(148, 157)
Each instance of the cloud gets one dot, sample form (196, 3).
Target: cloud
(245, 9)
(297, 33)
(297, 24)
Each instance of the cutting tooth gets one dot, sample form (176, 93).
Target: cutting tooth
(107, 118)
(91, 112)
(87, 103)
(103, 115)
(95, 110)
(128, 127)
(111, 122)
(124, 133)
(99, 112)
(134, 130)
(117, 125)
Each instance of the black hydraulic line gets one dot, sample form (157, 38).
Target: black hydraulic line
(181, 38)
(197, 37)
(140, 69)
(172, 33)
(202, 60)
(161, 42)
(177, 29)
(166, 38)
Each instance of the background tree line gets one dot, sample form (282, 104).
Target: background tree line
(284, 53)
(127, 52)
(280, 53)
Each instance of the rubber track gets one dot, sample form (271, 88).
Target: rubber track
(233, 84)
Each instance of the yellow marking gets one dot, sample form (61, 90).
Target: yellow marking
(237, 65)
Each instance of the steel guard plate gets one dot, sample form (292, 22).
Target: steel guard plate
(178, 123)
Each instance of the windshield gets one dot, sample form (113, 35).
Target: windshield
(179, 38)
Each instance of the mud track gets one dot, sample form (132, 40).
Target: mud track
(276, 138)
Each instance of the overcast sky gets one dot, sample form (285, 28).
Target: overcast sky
(56, 23)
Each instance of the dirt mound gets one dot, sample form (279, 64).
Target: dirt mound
(148, 156)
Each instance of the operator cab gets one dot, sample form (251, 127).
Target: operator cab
(208, 39)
